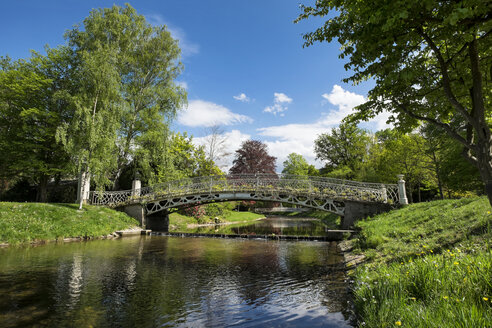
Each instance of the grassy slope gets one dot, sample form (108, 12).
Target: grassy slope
(429, 265)
(27, 222)
(332, 221)
(178, 222)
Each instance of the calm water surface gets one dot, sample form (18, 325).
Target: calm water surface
(173, 282)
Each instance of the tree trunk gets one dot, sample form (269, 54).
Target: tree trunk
(42, 192)
(83, 187)
(410, 193)
(485, 170)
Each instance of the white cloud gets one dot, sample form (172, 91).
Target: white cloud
(233, 140)
(300, 138)
(242, 97)
(187, 47)
(345, 100)
(281, 98)
(280, 101)
(205, 113)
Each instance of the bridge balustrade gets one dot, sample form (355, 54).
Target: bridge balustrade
(308, 186)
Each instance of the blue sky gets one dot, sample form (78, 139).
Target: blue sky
(245, 67)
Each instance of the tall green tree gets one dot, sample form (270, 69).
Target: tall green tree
(398, 153)
(34, 102)
(90, 137)
(343, 150)
(147, 62)
(430, 61)
(295, 164)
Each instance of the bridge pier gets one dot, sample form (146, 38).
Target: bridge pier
(157, 221)
(359, 210)
(137, 212)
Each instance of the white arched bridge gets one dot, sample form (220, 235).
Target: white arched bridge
(326, 194)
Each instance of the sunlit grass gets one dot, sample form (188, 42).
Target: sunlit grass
(429, 265)
(179, 222)
(29, 222)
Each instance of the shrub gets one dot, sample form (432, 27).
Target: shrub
(213, 210)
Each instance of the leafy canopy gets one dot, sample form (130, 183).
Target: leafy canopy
(430, 61)
(253, 157)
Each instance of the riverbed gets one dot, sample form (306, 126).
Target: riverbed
(154, 281)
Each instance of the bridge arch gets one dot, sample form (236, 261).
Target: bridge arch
(342, 197)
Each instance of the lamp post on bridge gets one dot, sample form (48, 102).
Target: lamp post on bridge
(402, 194)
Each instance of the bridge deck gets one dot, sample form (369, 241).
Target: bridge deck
(277, 186)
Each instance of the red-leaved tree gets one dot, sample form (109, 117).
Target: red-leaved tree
(253, 157)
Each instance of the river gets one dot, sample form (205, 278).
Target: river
(158, 281)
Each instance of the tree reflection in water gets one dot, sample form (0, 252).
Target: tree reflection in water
(169, 281)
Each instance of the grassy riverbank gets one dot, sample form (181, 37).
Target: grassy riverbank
(427, 265)
(332, 221)
(179, 222)
(34, 222)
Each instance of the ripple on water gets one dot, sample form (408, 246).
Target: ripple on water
(173, 282)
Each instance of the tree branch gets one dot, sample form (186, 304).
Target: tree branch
(445, 78)
(444, 126)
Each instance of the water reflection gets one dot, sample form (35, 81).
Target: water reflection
(272, 225)
(169, 281)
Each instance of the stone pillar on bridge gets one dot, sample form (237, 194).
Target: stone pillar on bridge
(402, 194)
(136, 185)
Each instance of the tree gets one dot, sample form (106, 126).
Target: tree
(343, 150)
(253, 157)
(190, 160)
(147, 62)
(430, 61)
(403, 154)
(33, 104)
(215, 144)
(295, 164)
(92, 133)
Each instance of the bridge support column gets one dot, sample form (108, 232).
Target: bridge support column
(358, 210)
(137, 212)
(158, 221)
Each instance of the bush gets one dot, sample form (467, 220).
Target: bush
(213, 210)
(195, 211)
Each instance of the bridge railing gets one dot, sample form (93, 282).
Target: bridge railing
(254, 183)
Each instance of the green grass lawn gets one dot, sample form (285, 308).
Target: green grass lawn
(428, 265)
(30, 222)
(179, 222)
(332, 221)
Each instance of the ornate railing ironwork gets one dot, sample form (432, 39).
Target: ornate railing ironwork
(336, 189)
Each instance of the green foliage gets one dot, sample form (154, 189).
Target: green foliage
(30, 222)
(213, 210)
(330, 220)
(33, 103)
(295, 164)
(432, 269)
(437, 224)
(110, 91)
(446, 290)
(430, 61)
(147, 63)
(178, 221)
(180, 158)
(344, 150)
